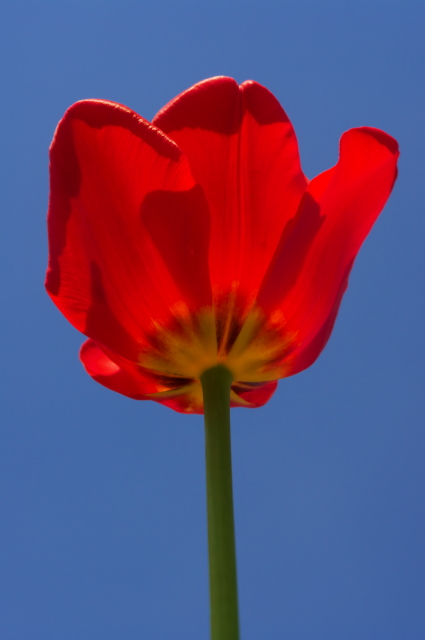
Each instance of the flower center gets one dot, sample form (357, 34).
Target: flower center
(252, 347)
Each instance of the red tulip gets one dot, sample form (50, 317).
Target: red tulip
(197, 240)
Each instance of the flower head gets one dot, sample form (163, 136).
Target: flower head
(197, 240)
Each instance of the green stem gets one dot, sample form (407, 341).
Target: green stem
(216, 384)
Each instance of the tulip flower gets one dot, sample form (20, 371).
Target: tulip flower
(200, 262)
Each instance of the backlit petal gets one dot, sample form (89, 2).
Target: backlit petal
(309, 272)
(243, 151)
(128, 226)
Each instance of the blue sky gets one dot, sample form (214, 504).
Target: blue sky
(103, 531)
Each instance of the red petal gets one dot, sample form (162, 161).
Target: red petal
(127, 226)
(126, 377)
(182, 395)
(309, 272)
(252, 394)
(123, 379)
(242, 150)
(120, 375)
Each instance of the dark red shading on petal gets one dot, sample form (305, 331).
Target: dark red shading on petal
(193, 108)
(102, 322)
(243, 152)
(262, 105)
(297, 238)
(106, 273)
(179, 224)
(337, 212)
(305, 355)
(103, 113)
(255, 393)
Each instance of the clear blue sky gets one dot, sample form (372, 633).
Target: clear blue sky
(103, 528)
